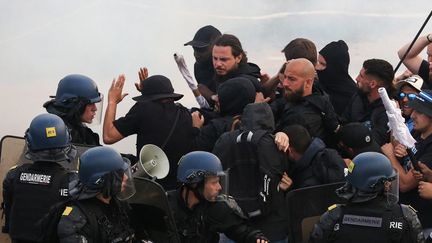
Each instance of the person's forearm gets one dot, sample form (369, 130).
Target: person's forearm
(406, 179)
(108, 125)
(270, 86)
(418, 46)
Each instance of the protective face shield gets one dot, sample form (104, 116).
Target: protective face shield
(97, 118)
(127, 185)
(224, 182)
(391, 189)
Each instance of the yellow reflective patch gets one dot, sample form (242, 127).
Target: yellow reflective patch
(50, 132)
(67, 211)
(332, 207)
(351, 166)
(13, 167)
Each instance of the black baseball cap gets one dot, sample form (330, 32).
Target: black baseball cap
(357, 136)
(204, 37)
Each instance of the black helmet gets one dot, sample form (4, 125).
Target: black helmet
(195, 166)
(74, 88)
(48, 139)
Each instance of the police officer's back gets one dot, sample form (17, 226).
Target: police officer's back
(75, 102)
(199, 211)
(372, 213)
(98, 212)
(29, 190)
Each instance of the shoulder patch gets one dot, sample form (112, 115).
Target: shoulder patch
(67, 211)
(332, 207)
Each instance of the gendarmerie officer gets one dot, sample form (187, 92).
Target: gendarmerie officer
(29, 190)
(372, 212)
(98, 212)
(200, 211)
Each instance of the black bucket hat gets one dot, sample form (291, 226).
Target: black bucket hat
(204, 37)
(157, 87)
(423, 102)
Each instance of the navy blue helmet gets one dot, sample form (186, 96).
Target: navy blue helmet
(195, 166)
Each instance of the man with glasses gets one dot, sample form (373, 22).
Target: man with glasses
(409, 180)
(408, 90)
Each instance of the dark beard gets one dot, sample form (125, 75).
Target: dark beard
(295, 96)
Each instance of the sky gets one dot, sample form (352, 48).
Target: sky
(41, 41)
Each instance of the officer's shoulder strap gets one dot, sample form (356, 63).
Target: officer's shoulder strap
(335, 210)
(230, 203)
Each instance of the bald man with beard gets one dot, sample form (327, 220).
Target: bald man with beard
(302, 105)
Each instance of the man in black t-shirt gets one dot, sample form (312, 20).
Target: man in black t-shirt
(155, 118)
(415, 63)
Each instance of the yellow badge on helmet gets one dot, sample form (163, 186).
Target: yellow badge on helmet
(351, 166)
(50, 132)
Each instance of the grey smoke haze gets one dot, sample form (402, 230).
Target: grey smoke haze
(42, 41)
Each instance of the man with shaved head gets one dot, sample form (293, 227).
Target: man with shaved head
(302, 106)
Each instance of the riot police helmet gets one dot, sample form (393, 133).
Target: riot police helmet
(48, 139)
(195, 166)
(74, 88)
(102, 169)
(368, 175)
(74, 93)
(368, 171)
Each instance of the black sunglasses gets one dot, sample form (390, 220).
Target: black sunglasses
(410, 96)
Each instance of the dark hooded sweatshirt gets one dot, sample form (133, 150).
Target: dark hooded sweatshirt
(234, 95)
(256, 117)
(319, 165)
(335, 79)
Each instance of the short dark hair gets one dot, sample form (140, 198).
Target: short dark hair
(301, 48)
(299, 137)
(381, 70)
(234, 43)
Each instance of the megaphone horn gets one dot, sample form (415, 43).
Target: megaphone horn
(153, 162)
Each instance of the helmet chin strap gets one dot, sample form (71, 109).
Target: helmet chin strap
(197, 191)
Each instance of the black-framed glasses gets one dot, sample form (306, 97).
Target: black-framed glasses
(410, 96)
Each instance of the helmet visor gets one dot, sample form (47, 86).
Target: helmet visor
(391, 189)
(224, 182)
(97, 119)
(127, 186)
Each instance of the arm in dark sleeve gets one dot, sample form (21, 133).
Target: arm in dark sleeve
(380, 129)
(415, 229)
(270, 157)
(222, 149)
(323, 229)
(206, 138)
(70, 227)
(225, 216)
(129, 124)
(8, 196)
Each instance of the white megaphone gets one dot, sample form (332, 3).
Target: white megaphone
(153, 162)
